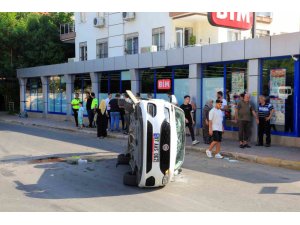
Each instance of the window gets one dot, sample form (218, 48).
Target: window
(82, 17)
(57, 94)
(131, 44)
(102, 48)
(264, 14)
(82, 84)
(262, 33)
(183, 36)
(158, 38)
(83, 51)
(278, 86)
(233, 35)
(34, 95)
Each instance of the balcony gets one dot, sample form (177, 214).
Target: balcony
(67, 33)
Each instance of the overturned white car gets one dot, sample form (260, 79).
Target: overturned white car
(156, 143)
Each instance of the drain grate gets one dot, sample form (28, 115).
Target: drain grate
(47, 160)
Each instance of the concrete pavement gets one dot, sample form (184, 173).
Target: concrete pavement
(279, 156)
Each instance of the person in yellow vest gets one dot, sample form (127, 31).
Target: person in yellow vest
(75, 107)
(94, 106)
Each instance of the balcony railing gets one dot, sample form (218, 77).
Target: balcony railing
(67, 32)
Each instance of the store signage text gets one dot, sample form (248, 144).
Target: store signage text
(164, 84)
(234, 20)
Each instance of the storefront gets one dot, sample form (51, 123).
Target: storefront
(82, 84)
(34, 95)
(229, 76)
(57, 95)
(280, 84)
(114, 82)
(158, 82)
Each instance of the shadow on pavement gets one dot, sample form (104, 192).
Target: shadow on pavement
(65, 181)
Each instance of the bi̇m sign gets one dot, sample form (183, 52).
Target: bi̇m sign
(234, 20)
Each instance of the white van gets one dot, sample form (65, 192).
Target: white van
(156, 143)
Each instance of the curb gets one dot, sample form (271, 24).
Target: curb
(275, 162)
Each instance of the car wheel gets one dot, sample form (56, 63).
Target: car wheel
(123, 159)
(129, 179)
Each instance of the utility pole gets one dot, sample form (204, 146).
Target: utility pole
(254, 25)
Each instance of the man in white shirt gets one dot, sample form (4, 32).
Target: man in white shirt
(216, 130)
(172, 98)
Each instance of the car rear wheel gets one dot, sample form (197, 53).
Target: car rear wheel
(129, 179)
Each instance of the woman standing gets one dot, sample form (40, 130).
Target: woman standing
(102, 117)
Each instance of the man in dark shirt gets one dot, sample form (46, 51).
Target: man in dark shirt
(265, 112)
(187, 108)
(88, 108)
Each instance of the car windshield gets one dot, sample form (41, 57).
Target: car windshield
(180, 131)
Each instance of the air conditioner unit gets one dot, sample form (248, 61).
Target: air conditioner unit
(99, 22)
(128, 16)
(152, 48)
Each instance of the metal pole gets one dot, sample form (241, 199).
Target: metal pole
(254, 25)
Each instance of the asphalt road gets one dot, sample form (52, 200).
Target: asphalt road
(204, 185)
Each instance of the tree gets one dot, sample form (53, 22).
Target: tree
(28, 40)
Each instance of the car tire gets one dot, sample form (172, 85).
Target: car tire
(123, 159)
(129, 179)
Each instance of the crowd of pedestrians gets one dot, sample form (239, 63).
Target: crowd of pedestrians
(112, 110)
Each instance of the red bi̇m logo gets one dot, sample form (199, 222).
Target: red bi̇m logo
(235, 20)
(164, 84)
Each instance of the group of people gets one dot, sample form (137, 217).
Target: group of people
(107, 113)
(213, 122)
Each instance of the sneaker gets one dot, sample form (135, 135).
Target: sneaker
(218, 156)
(208, 153)
(267, 145)
(195, 142)
(247, 146)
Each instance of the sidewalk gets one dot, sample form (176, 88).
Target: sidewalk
(279, 156)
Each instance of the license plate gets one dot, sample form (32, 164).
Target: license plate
(155, 157)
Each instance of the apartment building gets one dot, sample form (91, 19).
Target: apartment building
(117, 51)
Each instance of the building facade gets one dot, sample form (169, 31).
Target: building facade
(153, 56)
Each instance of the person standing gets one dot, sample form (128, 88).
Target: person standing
(88, 108)
(187, 108)
(80, 115)
(172, 98)
(121, 103)
(243, 113)
(115, 113)
(94, 106)
(102, 117)
(107, 100)
(265, 112)
(216, 130)
(75, 107)
(205, 121)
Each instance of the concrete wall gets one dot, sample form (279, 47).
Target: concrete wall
(279, 45)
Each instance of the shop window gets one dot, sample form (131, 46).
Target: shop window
(164, 83)
(34, 95)
(57, 94)
(126, 81)
(82, 84)
(181, 83)
(278, 85)
(236, 84)
(146, 82)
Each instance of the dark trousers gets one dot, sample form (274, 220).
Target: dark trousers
(205, 131)
(109, 118)
(127, 121)
(122, 113)
(75, 111)
(244, 130)
(264, 127)
(91, 117)
(190, 126)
